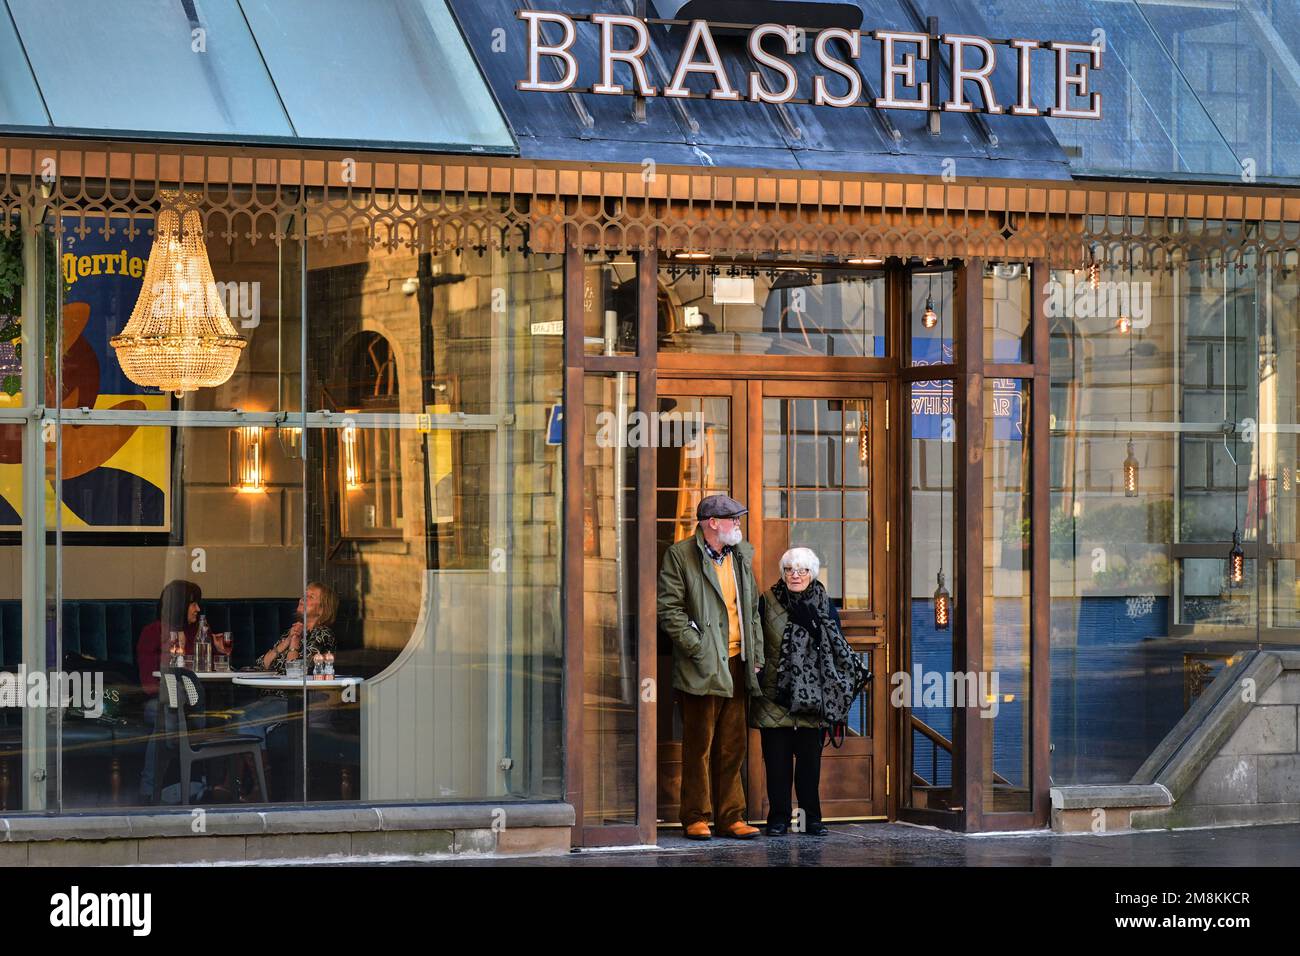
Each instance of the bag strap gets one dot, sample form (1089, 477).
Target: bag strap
(834, 734)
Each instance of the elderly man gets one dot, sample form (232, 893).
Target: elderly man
(708, 605)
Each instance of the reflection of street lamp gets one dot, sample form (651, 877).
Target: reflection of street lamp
(351, 466)
(1267, 357)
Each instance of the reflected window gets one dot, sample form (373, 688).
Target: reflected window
(363, 466)
(749, 310)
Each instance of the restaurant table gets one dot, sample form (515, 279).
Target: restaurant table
(295, 709)
(210, 675)
(266, 682)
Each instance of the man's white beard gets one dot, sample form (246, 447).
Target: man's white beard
(732, 537)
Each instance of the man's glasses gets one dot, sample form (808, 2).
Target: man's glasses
(796, 572)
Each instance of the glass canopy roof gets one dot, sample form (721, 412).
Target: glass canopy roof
(385, 73)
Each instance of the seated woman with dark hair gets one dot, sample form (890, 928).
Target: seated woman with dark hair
(178, 610)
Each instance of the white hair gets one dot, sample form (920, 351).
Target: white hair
(804, 558)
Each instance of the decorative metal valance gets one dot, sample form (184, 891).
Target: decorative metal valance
(439, 203)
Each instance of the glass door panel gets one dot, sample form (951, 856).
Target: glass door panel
(822, 459)
(816, 491)
(697, 456)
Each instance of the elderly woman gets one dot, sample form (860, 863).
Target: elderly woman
(792, 743)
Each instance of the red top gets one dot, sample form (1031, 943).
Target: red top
(149, 653)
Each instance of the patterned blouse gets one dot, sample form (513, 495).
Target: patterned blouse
(319, 640)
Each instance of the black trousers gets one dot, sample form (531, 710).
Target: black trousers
(792, 755)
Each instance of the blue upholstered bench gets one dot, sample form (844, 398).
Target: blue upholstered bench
(109, 630)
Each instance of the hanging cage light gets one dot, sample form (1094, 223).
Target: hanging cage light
(179, 338)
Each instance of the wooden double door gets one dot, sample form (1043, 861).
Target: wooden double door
(811, 462)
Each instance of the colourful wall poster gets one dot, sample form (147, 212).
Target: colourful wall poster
(115, 477)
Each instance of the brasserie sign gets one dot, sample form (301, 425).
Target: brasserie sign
(899, 79)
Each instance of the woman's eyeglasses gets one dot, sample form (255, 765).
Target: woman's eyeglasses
(796, 572)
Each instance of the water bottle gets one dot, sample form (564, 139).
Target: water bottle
(203, 646)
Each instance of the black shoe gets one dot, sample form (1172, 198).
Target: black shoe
(818, 829)
(777, 829)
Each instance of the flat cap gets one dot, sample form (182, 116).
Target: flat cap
(719, 506)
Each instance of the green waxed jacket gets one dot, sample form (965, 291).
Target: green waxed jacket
(693, 614)
(764, 712)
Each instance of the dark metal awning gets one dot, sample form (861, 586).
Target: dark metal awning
(392, 74)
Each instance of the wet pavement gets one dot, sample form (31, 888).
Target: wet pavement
(893, 844)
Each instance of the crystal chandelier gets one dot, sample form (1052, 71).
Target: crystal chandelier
(179, 338)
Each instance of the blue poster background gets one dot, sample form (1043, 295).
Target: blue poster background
(110, 294)
(932, 402)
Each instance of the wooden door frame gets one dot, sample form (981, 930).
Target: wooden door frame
(968, 372)
(746, 388)
(577, 365)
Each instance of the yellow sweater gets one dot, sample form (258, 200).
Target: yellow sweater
(727, 579)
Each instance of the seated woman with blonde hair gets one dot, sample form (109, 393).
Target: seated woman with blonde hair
(311, 634)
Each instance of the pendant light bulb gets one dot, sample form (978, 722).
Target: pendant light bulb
(942, 606)
(1236, 563)
(929, 318)
(1124, 324)
(1130, 473)
(864, 443)
(1094, 274)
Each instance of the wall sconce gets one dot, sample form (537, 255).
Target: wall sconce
(248, 475)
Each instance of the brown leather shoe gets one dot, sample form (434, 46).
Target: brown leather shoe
(699, 830)
(741, 830)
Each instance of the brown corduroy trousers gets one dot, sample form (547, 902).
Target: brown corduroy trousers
(714, 739)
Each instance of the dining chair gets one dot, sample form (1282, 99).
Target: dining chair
(180, 698)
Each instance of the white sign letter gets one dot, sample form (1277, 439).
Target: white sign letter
(632, 57)
(890, 71)
(537, 49)
(853, 38)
